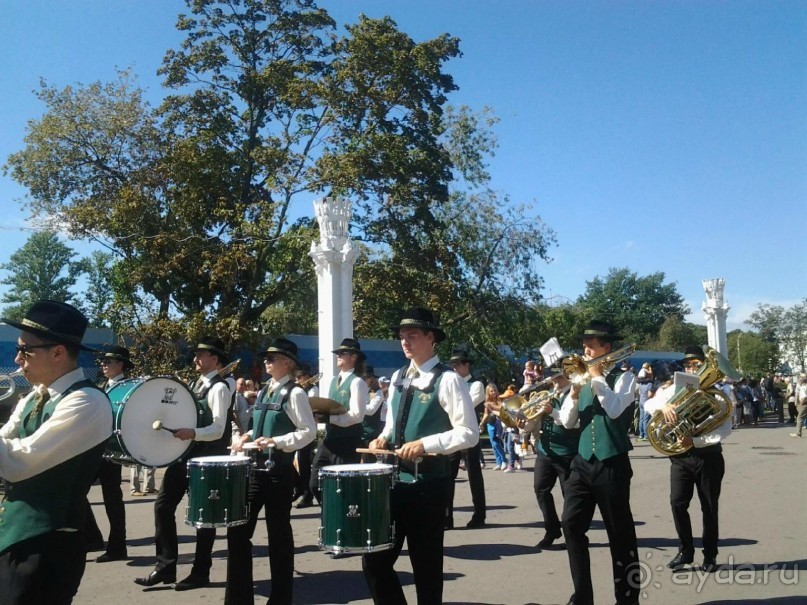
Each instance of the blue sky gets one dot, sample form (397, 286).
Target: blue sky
(659, 136)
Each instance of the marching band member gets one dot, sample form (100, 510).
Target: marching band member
(50, 452)
(114, 362)
(302, 483)
(441, 421)
(343, 432)
(701, 466)
(283, 421)
(557, 447)
(600, 472)
(215, 398)
(460, 362)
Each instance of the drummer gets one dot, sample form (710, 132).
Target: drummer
(343, 432)
(442, 422)
(282, 424)
(215, 400)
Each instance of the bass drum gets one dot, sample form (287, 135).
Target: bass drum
(136, 404)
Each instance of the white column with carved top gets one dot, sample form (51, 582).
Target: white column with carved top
(715, 310)
(333, 256)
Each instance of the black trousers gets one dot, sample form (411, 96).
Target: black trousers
(475, 480)
(44, 569)
(548, 471)
(335, 451)
(418, 511)
(700, 469)
(274, 493)
(605, 484)
(172, 490)
(109, 474)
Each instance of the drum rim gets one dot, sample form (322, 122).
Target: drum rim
(202, 461)
(341, 470)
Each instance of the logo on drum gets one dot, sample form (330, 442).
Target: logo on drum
(168, 396)
(353, 511)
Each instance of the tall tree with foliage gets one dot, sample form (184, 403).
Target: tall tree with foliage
(42, 269)
(99, 295)
(205, 199)
(787, 328)
(638, 306)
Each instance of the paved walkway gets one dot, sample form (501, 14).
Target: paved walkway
(763, 544)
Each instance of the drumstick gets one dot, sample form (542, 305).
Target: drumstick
(378, 452)
(158, 424)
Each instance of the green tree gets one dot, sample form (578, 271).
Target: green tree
(752, 354)
(787, 328)
(42, 269)
(200, 198)
(99, 295)
(637, 306)
(676, 335)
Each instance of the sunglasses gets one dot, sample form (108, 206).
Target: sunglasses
(26, 349)
(270, 358)
(693, 365)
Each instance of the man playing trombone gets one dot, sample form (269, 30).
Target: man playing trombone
(600, 472)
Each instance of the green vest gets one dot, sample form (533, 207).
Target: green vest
(205, 418)
(600, 435)
(372, 424)
(55, 498)
(426, 417)
(341, 395)
(270, 418)
(557, 440)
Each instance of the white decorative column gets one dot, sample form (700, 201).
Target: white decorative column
(715, 310)
(333, 258)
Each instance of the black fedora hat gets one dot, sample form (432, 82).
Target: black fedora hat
(282, 346)
(369, 372)
(117, 353)
(215, 346)
(424, 319)
(695, 353)
(601, 330)
(53, 320)
(460, 355)
(350, 345)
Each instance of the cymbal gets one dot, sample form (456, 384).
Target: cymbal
(323, 405)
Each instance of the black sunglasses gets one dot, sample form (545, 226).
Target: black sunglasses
(26, 349)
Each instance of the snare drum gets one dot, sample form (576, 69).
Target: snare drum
(136, 404)
(355, 508)
(217, 491)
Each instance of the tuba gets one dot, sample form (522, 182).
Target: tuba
(698, 410)
(9, 378)
(534, 407)
(576, 368)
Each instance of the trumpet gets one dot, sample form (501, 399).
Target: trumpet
(577, 369)
(229, 368)
(307, 384)
(9, 378)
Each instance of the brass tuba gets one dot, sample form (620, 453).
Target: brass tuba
(698, 410)
(576, 368)
(534, 407)
(9, 378)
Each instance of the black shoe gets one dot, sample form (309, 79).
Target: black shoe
(549, 539)
(192, 582)
(112, 556)
(680, 560)
(305, 503)
(165, 575)
(475, 523)
(709, 565)
(449, 524)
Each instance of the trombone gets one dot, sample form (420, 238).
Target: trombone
(577, 369)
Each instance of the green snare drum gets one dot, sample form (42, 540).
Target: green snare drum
(217, 491)
(355, 508)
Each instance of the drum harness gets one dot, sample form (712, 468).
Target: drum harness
(275, 457)
(404, 383)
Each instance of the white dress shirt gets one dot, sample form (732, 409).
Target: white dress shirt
(298, 409)
(80, 421)
(218, 399)
(613, 401)
(359, 397)
(455, 399)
